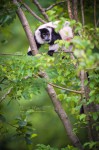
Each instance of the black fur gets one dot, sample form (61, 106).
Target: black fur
(82, 110)
(51, 52)
(37, 44)
(29, 53)
(55, 36)
(45, 34)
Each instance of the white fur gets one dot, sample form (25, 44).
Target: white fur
(38, 37)
(29, 49)
(65, 33)
(54, 47)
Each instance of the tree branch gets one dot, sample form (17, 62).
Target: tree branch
(26, 27)
(10, 54)
(42, 10)
(32, 12)
(74, 91)
(61, 113)
(53, 5)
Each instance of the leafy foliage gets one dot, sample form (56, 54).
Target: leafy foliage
(7, 11)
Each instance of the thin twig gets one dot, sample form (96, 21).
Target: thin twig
(5, 95)
(11, 54)
(74, 91)
(53, 5)
(42, 10)
(54, 85)
(32, 12)
(6, 54)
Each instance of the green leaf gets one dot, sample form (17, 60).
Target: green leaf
(95, 116)
(82, 117)
(33, 135)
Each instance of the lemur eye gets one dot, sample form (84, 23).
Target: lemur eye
(44, 34)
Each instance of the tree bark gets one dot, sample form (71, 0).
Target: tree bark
(69, 9)
(61, 113)
(82, 12)
(92, 133)
(27, 29)
(75, 9)
(32, 12)
(41, 9)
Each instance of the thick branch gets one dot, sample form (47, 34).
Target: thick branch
(32, 12)
(42, 10)
(27, 30)
(61, 113)
(53, 5)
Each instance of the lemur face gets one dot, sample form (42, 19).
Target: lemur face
(45, 34)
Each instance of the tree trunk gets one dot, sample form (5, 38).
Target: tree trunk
(27, 29)
(75, 9)
(69, 9)
(82, 11)
(92, 133)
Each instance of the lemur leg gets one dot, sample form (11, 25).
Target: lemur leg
(51, 52)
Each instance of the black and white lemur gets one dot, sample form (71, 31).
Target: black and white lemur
(46, 34)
